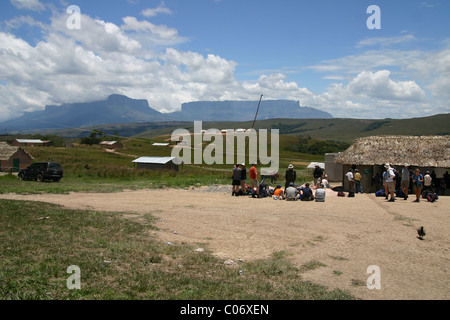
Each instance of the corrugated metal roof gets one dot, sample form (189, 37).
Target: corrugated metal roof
(160, 144)
(108, 142)
(29, 141)
(154, 160)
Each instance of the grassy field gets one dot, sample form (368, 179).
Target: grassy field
(119, 258)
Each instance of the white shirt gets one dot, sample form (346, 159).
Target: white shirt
(427, 180)
(390, 175)
(350, 176)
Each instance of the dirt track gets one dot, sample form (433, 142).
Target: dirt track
(346, 234)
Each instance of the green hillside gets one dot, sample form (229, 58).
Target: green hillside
(344, 130)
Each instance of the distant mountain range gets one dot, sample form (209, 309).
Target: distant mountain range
(121, 109)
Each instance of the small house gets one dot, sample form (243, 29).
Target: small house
(31, 143)
(156, 163)
(370, 154)
(112, 144)
(13, 158)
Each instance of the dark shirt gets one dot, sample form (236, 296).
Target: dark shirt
(307, 192)
(244, 174)
(291, 175)
(318, 172)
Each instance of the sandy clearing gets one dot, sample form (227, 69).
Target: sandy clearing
(346, 234)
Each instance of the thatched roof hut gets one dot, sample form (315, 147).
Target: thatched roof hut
(420, 151)
(13, 158)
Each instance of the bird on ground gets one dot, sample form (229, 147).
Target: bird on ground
(421, 232)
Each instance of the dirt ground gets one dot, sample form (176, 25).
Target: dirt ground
(346, 234)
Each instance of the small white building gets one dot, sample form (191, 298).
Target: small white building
(156, 163)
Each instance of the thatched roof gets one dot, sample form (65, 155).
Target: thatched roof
(421, 151)
(6, 151)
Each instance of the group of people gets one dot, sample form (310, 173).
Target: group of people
(399, 182)
(303, 193)
(407, 179)
(290, 192)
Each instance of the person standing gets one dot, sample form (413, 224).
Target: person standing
(236, 180)
(317, 174)
(390, 182)
(290, 176)
(351, 180)
(254, 179)
(385, 184)
(406, 176)
(243, 178)
(358, 185)
(418, 184)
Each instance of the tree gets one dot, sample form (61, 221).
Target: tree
(93, 138)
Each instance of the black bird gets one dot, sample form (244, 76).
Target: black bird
(421, 233)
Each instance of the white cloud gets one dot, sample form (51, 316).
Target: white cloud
(152, 12)
(33, 5)
(385, 41)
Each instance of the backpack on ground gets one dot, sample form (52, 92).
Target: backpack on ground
(431, 197)
(380, 193)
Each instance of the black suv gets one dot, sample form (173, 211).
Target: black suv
(41, 171)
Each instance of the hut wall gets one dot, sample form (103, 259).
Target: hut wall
(333, 170)
(155, 166)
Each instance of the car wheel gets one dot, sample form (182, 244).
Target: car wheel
(40, 178)
(21, 176)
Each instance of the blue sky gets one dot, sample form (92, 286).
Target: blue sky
(320, 53)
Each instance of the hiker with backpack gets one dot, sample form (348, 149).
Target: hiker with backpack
(390, 181)
(418, 184)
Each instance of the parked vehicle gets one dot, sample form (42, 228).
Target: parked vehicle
(42, 171)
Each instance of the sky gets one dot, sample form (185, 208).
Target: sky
(345, 57)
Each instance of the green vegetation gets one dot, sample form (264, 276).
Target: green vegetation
(317, 147)
(119, 259)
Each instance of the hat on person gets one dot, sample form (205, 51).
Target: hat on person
(291, 184)
(291, 166)
(387, 165)
(356, 170)
(255, 162)
(406, 165)
(278, 185)
(243, 164)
